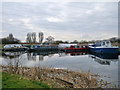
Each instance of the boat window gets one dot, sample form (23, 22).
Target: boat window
(107, 43)
(38, 46)
(72, 46)
(103, 43)
(35, 46)
(77, 46)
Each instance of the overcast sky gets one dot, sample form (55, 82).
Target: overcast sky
(62, 20)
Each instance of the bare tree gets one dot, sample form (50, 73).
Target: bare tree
(9, 40)
(33, 36)
(40, 37)
(28, 39)
(10, 37)
(50, 39)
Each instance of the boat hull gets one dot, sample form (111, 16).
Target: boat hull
(104, 50)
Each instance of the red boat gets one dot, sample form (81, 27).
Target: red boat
(77, 48)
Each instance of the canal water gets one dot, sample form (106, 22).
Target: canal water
(104, 65)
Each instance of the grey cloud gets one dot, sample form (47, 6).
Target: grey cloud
(73, 17)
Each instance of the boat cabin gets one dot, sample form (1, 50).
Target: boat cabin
(105, 43)
(13, 46)
(77, 48)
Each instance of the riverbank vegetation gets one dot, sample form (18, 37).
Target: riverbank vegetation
(55, 78)
(15, 81)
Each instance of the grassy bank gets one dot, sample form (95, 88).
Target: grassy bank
(53, 78)
(15, 81)
(1, 46)
(42, 77)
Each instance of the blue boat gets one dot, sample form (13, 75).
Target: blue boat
(103, 47)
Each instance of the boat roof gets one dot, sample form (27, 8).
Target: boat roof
(79, 45)
(12, 45)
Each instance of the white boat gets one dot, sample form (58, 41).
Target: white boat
(14, 47)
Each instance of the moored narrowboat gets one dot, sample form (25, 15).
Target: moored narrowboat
(38, 48)
(77, 48)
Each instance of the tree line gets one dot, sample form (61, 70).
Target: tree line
(32, 38)
(9, 40)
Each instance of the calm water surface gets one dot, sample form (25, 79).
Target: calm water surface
(100, 64)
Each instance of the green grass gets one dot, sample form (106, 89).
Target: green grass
(119, 49)
(15, 81)
(0, 80)
(1, 46)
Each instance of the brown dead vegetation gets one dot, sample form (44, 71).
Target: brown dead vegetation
(59, 77)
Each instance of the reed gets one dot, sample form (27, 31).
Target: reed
(61, 77)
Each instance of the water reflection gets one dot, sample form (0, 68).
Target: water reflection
(12, 59)
(104, 59)
(11, 54)
(76, 53)
(41, 55)
(106, 55)
(103, 64)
